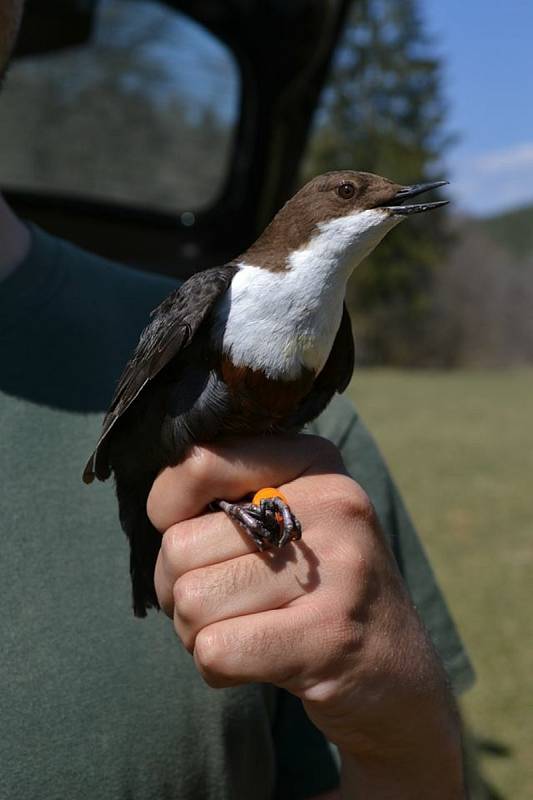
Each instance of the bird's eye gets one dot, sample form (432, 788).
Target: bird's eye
(346, 190)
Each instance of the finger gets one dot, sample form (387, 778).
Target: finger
(208, 539)
(163, 588)
(247, 585)
(213, 538)
(261, 648)
(233, 469)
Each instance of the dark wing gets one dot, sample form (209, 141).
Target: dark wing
(334, 376)
(173, 325)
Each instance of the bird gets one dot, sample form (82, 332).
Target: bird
(254, 347)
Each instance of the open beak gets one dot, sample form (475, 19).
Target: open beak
(396, 206)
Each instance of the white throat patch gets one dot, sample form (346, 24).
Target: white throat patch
(282, 322)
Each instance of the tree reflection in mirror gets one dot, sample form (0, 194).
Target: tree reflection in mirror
(144, 115)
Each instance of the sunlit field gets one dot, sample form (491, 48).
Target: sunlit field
(460, 445)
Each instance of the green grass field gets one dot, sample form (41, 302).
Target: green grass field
(460, 445)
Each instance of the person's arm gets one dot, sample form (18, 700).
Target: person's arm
(327, 618)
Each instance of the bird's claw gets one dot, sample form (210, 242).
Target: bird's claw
(270, 523)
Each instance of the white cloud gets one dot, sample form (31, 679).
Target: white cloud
(511, 158)
(494, 181)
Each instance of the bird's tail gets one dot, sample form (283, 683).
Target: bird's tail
(144, 540)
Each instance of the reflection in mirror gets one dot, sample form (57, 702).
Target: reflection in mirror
(144, 115)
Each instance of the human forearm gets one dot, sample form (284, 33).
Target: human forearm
(437, 774)
(401, 737)
(428, 763)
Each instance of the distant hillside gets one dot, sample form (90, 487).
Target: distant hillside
(513, 230)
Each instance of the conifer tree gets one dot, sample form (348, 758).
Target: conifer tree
(383, 112)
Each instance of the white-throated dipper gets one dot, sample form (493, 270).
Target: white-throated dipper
(257, 346)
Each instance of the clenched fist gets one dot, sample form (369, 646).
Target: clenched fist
(327, 618)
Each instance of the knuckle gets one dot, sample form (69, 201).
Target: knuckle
(158, 507)
(152, 511)
(186, 634)
(186, 597)
(169, 545)
(175, 547)
(210, 657)
(162, 588)
(361, 571)
(350, 499)
(201, 463)
(351, 508)
(342, 628)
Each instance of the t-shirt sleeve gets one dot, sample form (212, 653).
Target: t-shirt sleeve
(342, 425)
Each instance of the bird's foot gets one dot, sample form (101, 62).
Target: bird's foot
(268, 519)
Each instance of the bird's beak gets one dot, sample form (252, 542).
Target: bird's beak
(406, 192)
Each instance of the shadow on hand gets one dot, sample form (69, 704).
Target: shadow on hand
(278, 559)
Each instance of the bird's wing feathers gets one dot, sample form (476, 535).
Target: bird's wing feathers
(341, 362)
(334, 376)
(173, 325)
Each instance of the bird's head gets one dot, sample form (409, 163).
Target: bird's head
(338, 217)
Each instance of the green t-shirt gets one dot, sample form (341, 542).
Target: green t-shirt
(95, 703)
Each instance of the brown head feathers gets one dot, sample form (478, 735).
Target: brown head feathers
(326, 197)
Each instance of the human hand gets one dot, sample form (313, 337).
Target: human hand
(327, 618)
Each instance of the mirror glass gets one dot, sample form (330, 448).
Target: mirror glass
(144, 115)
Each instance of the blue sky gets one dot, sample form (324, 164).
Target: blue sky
(487, 49)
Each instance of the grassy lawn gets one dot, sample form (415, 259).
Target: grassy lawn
(460, 445)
